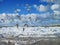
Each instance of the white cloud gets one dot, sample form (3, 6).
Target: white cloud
(31, 17)
(57, 12)
(55, 7)
(41, 8)
(2, 16)
(35, 5)
(45, 15)
(48, 0)
(17, 10)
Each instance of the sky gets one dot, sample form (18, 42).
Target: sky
(9, 6)
(46, 11)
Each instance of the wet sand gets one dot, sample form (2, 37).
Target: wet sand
(31, 41)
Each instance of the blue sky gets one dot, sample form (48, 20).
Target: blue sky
(9, 6)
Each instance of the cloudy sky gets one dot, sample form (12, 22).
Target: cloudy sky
(45, 8)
